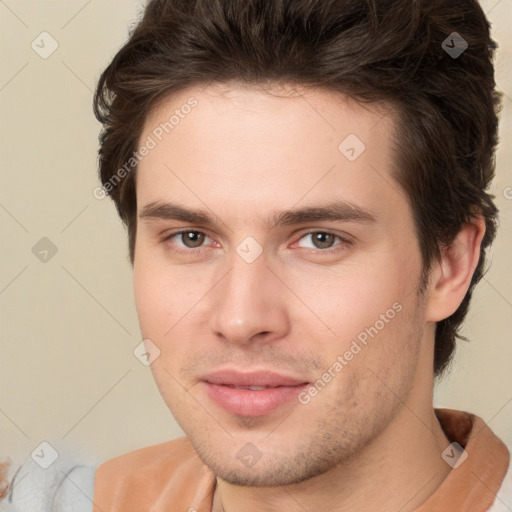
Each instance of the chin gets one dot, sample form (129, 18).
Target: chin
(270, 470)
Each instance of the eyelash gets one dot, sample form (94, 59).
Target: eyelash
(332, 250)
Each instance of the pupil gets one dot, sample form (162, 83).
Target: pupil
(193, 239)
(320, 239)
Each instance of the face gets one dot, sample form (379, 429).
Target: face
(276, 272)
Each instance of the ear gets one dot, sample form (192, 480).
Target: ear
(451, 275)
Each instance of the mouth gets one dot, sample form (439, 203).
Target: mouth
(253, 393)
(251, 388)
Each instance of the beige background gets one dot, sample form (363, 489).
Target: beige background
(68, 373)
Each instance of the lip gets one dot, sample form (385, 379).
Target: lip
(252, 378)
(280, 389)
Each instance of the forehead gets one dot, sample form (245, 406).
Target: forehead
(255, 148)
(239, 110)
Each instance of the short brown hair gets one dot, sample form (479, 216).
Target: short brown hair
(445, 106)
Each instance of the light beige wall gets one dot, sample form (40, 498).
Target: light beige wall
(68, 375)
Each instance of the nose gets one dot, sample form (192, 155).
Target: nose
(249, 304)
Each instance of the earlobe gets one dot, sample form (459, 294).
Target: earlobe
(452, 273)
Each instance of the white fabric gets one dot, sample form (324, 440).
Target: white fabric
(66, 486)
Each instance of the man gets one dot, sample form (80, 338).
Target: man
(304, 184)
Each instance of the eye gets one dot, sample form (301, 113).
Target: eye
(323, 240)
(186, 239)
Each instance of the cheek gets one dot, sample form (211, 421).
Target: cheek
(373, 376)
(144, 294)
(372, 313)
(154, 295)
(169, 308)
(350, 298)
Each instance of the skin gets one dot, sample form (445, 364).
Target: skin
(369, 440)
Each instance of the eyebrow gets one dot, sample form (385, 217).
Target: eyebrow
(333, 211)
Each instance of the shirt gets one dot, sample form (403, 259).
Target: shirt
(170, 477)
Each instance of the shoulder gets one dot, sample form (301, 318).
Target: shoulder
(156, 462)
(168, 472)
(170, 453)
(503, 501)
